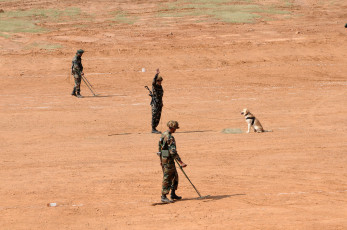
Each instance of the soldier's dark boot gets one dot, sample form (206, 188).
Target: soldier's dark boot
(164, 199)
(174, 196)
(74, 92)
(154, 130)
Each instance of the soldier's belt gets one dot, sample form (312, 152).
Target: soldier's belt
(169, 165)
(165, 153)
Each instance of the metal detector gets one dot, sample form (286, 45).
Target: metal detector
(200, 197)
(88, 84)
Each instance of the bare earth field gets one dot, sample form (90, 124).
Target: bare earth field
(95, 157)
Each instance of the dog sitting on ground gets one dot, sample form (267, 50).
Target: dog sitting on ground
(252, 121)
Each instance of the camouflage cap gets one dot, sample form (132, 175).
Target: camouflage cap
(160, 78)
(80, 51)
(173, 124)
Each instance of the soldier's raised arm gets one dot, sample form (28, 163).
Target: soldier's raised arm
(155, 77)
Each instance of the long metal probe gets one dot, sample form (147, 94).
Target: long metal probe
(88, 86)
(188, 178)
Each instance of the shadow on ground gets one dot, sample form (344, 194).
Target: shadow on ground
(112, 95)
(196, 131)
(203, 198)
(192, 131)
(218, 197)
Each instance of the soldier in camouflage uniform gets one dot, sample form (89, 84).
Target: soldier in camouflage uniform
(157, 101)
(77, 72)
(167, 148)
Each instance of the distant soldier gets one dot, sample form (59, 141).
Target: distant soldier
(168, 154)
(157, 101)
(77, 72)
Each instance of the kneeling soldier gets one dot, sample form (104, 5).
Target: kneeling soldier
(167, 147)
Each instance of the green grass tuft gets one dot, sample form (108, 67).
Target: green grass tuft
(123, 17)
(5, 35)
(25, 21)
(236, 17)
(19, 26)
(230, 11)
(43, 46)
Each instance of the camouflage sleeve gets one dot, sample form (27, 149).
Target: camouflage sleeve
(155, 79)
(172, 148)
(73, 66)
(81, 66)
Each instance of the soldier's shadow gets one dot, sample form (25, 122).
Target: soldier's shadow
(196, 131)
(211, 198)
(203, 199)
(111, 95)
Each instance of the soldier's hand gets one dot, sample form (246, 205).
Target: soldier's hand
(183, 165)
(158, 70)
(82, 74)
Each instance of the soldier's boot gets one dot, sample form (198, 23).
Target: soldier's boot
(79, 94)
(154, 130)
(164, 199)
(174, 196)
(74, 92)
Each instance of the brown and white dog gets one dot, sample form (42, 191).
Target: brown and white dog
(252, 121)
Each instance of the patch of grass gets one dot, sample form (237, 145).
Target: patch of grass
(123, 17)
(236, 17)
(232, 131)
(80, 26)
(288, 3)
(25, 21)
(217, 1)
(273, 10)
(18, 26)
(44, 46)
(4, 35)
(73, 11)
(231, 11)
(37, 14)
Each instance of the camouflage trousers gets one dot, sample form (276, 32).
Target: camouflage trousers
(156, 114)
(170, 179)
(78, 79)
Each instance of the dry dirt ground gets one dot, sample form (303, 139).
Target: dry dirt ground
(95, 157)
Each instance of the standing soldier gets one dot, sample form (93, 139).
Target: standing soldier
(167, 148)
(77, 72)
(157, 101)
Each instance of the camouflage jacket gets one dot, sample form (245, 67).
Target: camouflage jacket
(158, 92)
(77, 66)
(167, 142)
